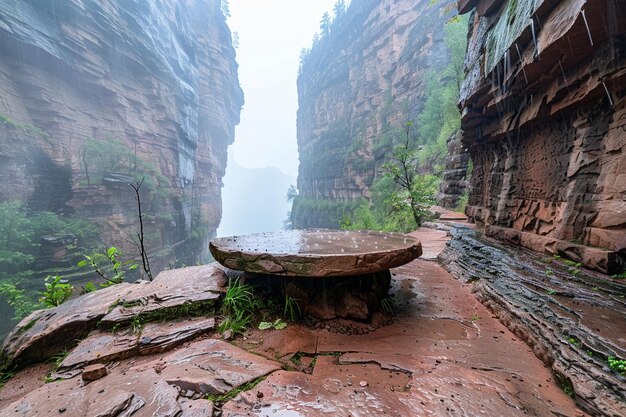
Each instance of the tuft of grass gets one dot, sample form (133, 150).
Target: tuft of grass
(237, 323)
(475, 317)
(238, 297)
(388, 305)
(291, 311)
(57, 360)
(7, 371)
(136, 325)
(238, 307)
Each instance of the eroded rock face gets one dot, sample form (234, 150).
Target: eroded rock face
(364, 79)
(543, 117)
(454, 184)
(158, 77)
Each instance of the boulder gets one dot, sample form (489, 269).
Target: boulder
(45, 332)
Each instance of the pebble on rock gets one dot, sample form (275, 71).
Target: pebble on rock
(94, 372)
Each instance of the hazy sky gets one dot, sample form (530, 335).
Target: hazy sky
(271, 35)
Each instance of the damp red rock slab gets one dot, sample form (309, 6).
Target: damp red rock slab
(171, 386)
(316, 253)
(45, 332)
(444, 354)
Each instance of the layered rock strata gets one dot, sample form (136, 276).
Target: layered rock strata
(544, 116)
(365, 77)
(572, 319)
(454, 184)
(95, 94)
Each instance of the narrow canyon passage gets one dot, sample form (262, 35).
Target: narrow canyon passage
(444, 354)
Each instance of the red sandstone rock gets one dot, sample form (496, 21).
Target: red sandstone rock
(141, 394)
(94, 372)
(316, 253)
(213, 367)
(543, 119)
(353, 91)
(46, 332)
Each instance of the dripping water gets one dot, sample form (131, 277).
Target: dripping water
(587, 26)
(521, 63)
(532, 28)
(607, 93)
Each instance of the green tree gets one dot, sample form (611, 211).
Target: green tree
(402, 168)
(325, 24)
(339, 9)
(292, 192)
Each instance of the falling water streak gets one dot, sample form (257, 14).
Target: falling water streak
(607, 93)
(570, 45)
(532, 28)
(587, 26)
(521, 62)
(562, 72)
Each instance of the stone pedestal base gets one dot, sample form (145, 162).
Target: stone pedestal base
(352, 297)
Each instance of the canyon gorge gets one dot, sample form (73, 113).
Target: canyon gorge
(512, 302)
(364, 79)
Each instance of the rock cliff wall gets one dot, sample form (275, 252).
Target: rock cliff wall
(544, 118)
(363, 78)
(96, 93)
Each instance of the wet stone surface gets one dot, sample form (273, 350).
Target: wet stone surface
(443, 354)
(316, 253)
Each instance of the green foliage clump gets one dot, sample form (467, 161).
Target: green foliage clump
(57, 291)
(307, 211)
(18, 299)
(30, 129)
(277, 324)
(21, 234)
(617, 364)
(238, 307)
(390, 209)
(108, 266)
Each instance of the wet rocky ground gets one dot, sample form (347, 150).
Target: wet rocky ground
(443, 353)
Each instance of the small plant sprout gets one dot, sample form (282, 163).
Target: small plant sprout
(238, 307)
(388, 305)
(57, 291)
(617, 364)
(292, 310)
(136, 325)
(278, 324)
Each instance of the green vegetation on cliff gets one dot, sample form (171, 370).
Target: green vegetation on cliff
(26, 238)
(414, 154)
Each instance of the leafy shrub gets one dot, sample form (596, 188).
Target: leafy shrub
(57, 291)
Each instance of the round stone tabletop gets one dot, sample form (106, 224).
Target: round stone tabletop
(316, 253)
